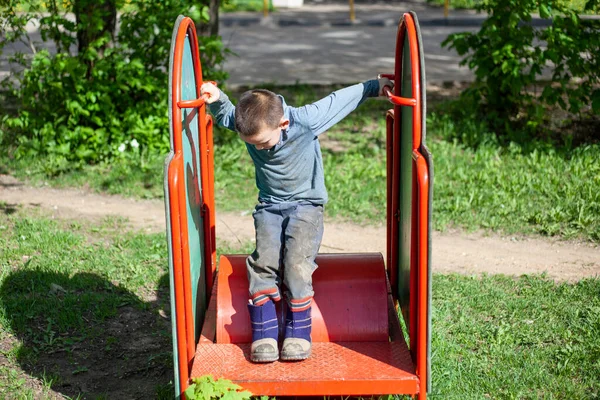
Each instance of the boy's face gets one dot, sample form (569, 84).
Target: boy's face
(267, 138)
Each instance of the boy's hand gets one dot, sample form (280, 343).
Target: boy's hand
(383, 82)
(209, 92)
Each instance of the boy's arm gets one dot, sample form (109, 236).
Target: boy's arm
(325, 113)
(223, 110)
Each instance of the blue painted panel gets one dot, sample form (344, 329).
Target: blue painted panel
(191, 154)
(406, 179)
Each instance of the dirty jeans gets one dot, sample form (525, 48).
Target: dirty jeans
(288, 237)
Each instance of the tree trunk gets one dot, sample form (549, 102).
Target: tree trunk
(210, 28)
(95, 19)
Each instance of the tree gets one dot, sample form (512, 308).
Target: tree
(210, 27)
(107, 101)
(509, 54)
(96, 21)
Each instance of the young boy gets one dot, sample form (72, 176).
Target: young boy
(283, 143)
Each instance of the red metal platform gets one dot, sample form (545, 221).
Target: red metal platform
(345, 368)
(350, 302)
(372, 359)
(358, 345)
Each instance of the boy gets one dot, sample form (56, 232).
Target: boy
(283, 143)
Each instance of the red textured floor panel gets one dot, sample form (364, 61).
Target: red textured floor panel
(348, 368)
(350, 303)
(334, 368)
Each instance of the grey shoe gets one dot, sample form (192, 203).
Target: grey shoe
(295, 349)
(264, 350)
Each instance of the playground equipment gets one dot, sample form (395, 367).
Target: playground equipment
(358, 344)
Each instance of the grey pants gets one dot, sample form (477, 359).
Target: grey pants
(288, 237)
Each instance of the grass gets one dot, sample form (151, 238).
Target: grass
(534, 189)
(126, 177)
(578, 5)
(525, 338)
(70, 294)
(457, 4)
(226, 6)
(245, 5)
(69, 290)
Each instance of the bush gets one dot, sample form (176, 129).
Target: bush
(245, 5)
(207, 388)
(577, 5)
(509, 54)
(108, 100)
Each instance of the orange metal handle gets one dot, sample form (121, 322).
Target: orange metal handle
(196, 103)
(422, 173)
(191, 103)
(397, 100)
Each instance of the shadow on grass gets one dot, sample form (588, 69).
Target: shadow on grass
(88, 337)
(8, 208)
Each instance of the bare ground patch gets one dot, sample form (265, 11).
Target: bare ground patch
(454, 251)
(128, 355)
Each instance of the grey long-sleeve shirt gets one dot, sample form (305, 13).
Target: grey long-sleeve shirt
(292, 171)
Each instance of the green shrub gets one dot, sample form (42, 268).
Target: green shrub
(509, 54)
(457, 3)
(577, 5)
(206, 388)
(109, 100)
(245, 5)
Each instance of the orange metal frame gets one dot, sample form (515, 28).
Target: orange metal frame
(179, 225)
(358, 314)
(419, 252)
(358, 346)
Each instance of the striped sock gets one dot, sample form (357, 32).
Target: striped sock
(260, 298)
(297, 305)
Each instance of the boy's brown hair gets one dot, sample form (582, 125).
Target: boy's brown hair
(257, 109)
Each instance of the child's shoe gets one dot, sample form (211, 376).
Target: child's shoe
(265, 331)
(297, 343)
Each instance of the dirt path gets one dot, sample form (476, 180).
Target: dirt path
(452, 251)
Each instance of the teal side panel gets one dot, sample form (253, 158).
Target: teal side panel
(406, 179)
(168, 222)
(191, 156)
(429, 158)
(171, 277)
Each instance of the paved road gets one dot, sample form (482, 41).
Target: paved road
(318, 44)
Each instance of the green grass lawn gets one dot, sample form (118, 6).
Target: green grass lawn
(79, 304)
(470, 4)
(83, 307)
(509, 189)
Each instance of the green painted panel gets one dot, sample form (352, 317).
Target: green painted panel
(429, 158)
(168, 219)
(191, 157)
(171, 277)
(193, 200)
(406, 178)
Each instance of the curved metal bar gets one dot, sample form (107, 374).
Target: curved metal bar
(416, 77)
(191, 103)
(186, 320)
(199, 102)
(180, 317)
(419, 219)
(208, 203)
(422, 175)
(398, 100)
